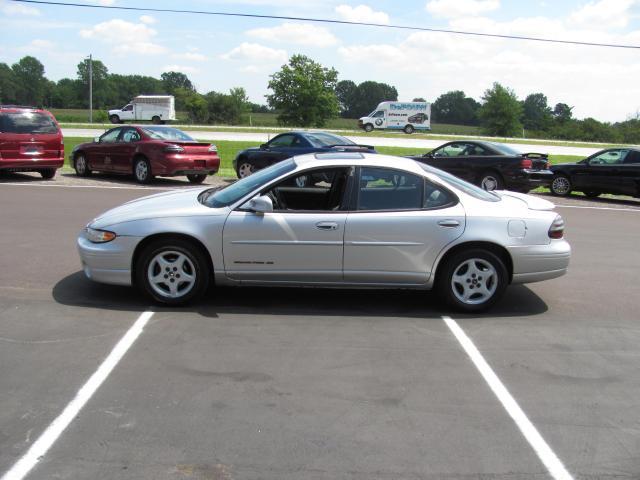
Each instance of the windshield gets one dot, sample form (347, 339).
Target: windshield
(27, 122)
(237, 190)
(462, 185)
(318, 139)
(505, 149)
(167, 133)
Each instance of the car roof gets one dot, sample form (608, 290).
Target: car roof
(357, 158)
(20, 108)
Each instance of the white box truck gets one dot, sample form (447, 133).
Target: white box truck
(406, 116)
(157, 108)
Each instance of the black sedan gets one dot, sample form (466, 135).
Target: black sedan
(490, 165)
(290, 144)
(614, 170)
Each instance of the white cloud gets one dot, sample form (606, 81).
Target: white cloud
(361, 13)
(126, 37)
(180, 68)
(458, 8)
(41, 44)
(193, 56)
(603, 14)
(296, 33)
(19, 9)
(254, 52)
(148, 19)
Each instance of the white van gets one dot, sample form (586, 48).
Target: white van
(406, 116)
(157, 108)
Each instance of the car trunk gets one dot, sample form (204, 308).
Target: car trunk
(195, 148)
(32, 147)
(538, 161)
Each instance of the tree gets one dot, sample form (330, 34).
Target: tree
(346, 93)
(369, 94)
(536, 114)
(456, 108)
(418, 99)
(8, 88)
(500, 114)
(30, 81)
(304, 93)
(562, 112)
(174, 80)
(100, 83)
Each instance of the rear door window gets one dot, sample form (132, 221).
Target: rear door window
(31, 123)
(389, 189)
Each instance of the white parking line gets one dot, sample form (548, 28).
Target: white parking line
(630, 209)
(40, 447)
(17, 184)
(531, 434)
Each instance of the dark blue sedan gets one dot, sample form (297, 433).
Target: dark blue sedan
(290, 144)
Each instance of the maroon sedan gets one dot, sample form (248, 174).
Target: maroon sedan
(147, 151)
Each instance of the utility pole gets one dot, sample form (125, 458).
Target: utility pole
(90, 89)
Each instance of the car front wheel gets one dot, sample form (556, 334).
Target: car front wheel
(368, 128)
(561, 186)
(173, 271)
(114, 119)
(473, 280)
(81, 166)
(246, 168)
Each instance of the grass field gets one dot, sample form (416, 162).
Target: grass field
(228, 150)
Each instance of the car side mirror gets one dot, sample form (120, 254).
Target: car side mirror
(264, 146)
(428, 155)
(96, 140)
(260, 205)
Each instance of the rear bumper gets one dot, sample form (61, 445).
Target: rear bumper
(181, 164)
(30, 164)
(535, 263)
(529, 179)
(107, 262)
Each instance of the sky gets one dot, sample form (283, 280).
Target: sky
(219, 53)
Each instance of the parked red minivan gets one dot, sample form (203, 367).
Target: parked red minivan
(30, 141)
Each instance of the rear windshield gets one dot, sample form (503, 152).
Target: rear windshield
(318, 139)
(167, 133)
(462, 185)
(27, 122)
(505, 149)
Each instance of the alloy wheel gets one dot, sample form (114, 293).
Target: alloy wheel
(171, 274)
(474, 281)
(561, 185)
(246, 169)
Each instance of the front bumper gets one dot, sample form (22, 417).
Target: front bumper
(109, 262)
(535, 263)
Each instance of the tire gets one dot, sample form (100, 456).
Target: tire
(172, 271)
(368, 128)
(592, 194)
(197, 177)
(560, 186)
(156, 120)
(81, 166)
(142, 170)
(491, 181)
(246, 168)
(47, 173)
(409, 129)
(114, 119)
(472, 280)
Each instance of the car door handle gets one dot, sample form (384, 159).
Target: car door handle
(449, 223)
(327, 226)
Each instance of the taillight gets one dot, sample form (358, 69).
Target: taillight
(213, 148)
(171, 148)
(526, 163)
(557, 228)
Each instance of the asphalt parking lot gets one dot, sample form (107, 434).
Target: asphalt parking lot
(313, 384)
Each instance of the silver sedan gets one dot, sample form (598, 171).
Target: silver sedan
(336, 220)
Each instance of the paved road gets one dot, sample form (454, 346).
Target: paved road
(401, 140)
(313, 384)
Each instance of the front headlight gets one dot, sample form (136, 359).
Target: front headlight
(99, 236)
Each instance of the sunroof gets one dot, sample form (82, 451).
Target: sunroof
(340, 156)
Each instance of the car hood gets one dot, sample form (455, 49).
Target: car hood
(175, 203)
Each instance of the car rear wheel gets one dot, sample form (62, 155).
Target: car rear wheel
(173, 271)
(560, 186)
(490, 181)
(48, 173)
(409, 129)
(81, 166)
(156, 120)
(472, 280)
(245, 169)
(592, 193)
(368, 128)
(114, 119)
(197, 177)
(142, 170)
